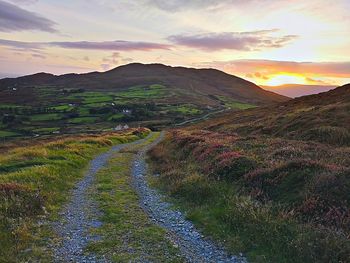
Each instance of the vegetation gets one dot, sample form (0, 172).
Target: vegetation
(65, 111)
(271, 182)
(275, 200)
(229, 103)
(35, 180)
(322, 118)
(127, 233)
(154, 96)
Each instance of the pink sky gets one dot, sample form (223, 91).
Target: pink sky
(267, 42)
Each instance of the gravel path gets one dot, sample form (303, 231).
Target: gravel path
(81, 215)
(192, 244)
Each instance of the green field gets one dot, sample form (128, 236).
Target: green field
(144, 92)
(4, 134)
(154, 105)
(83, 120)
(116, 117)
(46, 130)
(46, 117)
(235, 104)
(185, 109)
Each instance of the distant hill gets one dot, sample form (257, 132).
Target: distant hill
(155, 96)
(297, 90)
(201, 86)
(323, 117)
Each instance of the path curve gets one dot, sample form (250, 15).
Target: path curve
(82, 214)
(192, 244)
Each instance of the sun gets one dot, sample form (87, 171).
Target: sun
(282, 79)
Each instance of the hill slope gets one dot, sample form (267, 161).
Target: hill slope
(150, 95)
(196, 84)
(274, 180)
(323, 117)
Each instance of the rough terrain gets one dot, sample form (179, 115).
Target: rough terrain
(82, 214)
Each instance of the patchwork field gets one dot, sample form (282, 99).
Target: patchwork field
(155, 95)
(52, 110)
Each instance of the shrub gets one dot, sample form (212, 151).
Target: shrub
(232, 166)
(328, 134)
(19, 201)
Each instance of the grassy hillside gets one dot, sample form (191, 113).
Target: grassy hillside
(148, 95)
(272, 182)
(35, 179)
(323, 118)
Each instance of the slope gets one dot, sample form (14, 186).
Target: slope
(270, 181)
(153, 95)
(324, 117)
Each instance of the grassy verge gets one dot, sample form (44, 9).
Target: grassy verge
(34, 183)
(273, 204)
(128, 235)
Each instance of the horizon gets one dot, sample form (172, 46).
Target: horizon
(298, 43)
(288, 89)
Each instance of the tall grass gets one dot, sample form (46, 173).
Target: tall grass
(34, 183)
(274, 200)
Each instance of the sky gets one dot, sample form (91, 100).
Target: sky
(269, 42)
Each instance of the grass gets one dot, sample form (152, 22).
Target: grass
(83, 120)
(235, 104)
(73, 109)
(128, 234)
(4, 134)
(116, 117)
(320, 118)
(65, 107)
(46, 117)
(185, 109)
(273, 199)
(34, 184)
(144, 92)
(46, 130)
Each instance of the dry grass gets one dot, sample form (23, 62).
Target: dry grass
(34, 183)
(265, 193)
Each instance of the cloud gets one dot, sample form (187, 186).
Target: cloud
(113, 60)
(118, 45)
(316, 81)
(267, 67)
(25, 2)
(179, 5)
(35, 55)
(14, 18)
(21, 45)
(244, 41)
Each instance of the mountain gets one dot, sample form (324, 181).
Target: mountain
(192, 85)
(155, 96)
(323, 117)
(297, 90)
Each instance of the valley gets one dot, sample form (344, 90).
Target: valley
(44, 104)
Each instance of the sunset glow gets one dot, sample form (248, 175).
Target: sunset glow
(279, 42)
(285, 79)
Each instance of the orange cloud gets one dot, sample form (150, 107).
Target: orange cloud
(317, 73)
